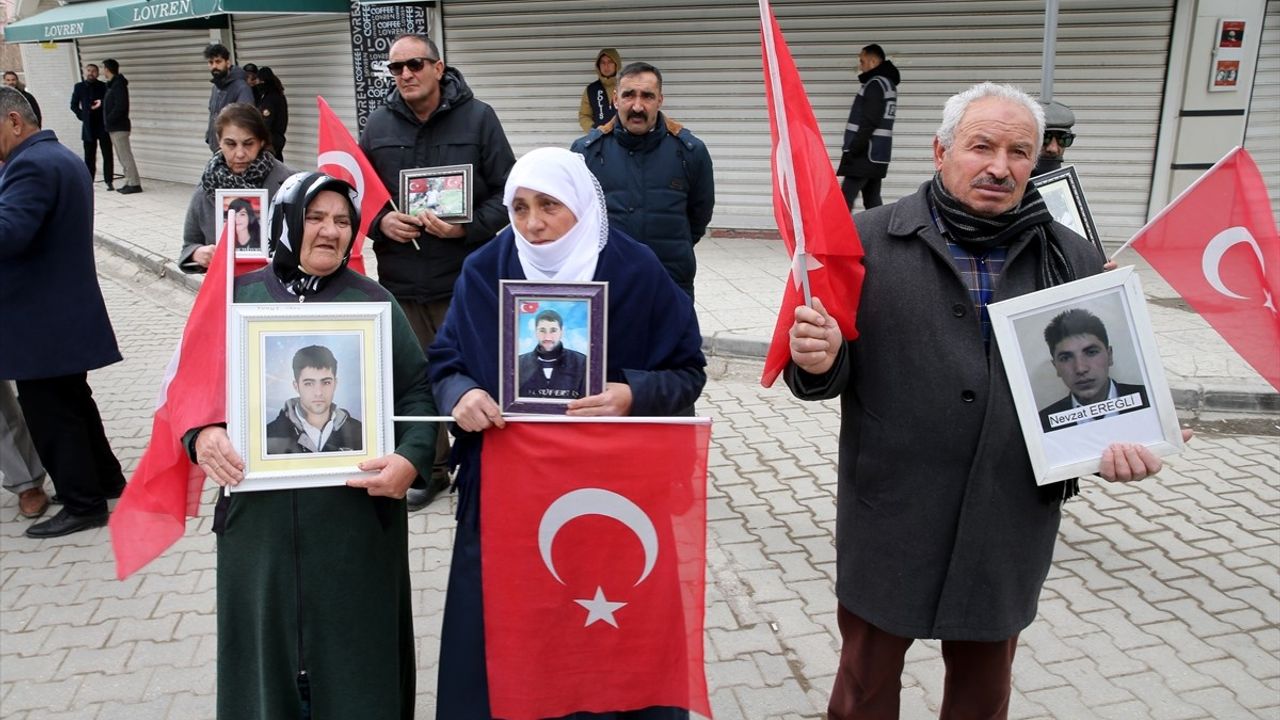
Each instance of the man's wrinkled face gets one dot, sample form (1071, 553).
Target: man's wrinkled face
(416, 85)
(219, 66)
(315, 388)
(549, 333)
(1084, 364)
(991, 158)
(638, 99)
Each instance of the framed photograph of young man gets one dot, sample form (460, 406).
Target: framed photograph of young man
(1065, 200)
(444, 190)
(1085, 372)
(309, 391)
(552, 344)
(248, 210)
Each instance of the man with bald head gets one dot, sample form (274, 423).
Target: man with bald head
(941, 531)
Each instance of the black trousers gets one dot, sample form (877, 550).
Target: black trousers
(868, 186)
(91, 158)
(67, 431)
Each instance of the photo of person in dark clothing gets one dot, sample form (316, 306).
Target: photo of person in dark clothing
(311, 422)
(551, 371)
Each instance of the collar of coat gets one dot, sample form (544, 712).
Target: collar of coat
(912, 217)
(674, 129)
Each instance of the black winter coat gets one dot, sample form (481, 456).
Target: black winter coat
(941, 531)
(462, 130)
(82, 97)
(275, 111)
(868, 134)
(115, 106)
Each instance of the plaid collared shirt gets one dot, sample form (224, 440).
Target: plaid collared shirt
(979, 272)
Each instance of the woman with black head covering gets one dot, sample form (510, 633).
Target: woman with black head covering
(269, 95)
(314, 612)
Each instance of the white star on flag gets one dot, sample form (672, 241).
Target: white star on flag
(599, 608)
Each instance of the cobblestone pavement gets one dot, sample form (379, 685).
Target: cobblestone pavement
(1163, 602)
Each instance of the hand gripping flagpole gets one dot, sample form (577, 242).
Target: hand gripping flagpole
(783, 163)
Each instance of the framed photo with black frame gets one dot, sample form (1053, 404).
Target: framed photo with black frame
(309, 391)
(445, 190)
(552, 344)
(1085, 372)
(1065, 200)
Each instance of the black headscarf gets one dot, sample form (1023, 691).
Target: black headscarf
(288, 220)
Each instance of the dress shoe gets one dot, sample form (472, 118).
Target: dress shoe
(418, 498)
(130, 189)
(111, 188)
(32, 503)
(64, 523)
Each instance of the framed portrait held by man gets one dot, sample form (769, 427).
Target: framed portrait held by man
(445, 191)
(1085, 372)
(552, 344)
(309, 391)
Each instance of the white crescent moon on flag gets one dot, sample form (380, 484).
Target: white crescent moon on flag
(595, 501)
(1211, 262)
(345, 161)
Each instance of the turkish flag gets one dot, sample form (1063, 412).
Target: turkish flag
(1217, 245)
(807, 204)
(593, 554)
(165, 488)
(339, 155)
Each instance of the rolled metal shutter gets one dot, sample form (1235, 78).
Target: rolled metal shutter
(1262, 133)
(531, 61)
(311, 54)
(168, 97)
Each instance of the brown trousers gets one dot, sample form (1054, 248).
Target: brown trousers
(426, 319)
(869, 680)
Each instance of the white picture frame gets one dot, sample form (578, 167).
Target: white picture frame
(1066, 436)
(250, 242)
(263, 340)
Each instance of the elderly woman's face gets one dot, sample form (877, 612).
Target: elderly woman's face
(239, 146)
(539, 217)
(326, 233)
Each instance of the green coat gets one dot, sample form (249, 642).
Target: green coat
(319, 578)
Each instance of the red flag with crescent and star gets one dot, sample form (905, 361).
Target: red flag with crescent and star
(1218, 246)
(812, 218)
(593, 554)
(339, 155)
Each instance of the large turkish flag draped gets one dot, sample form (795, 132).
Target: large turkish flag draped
(593, 554)
(338, 154)
(807, 203)
(1217, 245)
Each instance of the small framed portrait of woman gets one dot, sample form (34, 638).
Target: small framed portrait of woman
(1065, 200)
(1085, 372)
(552, 340)
(247, 210)
(309, 391)
(444, 190)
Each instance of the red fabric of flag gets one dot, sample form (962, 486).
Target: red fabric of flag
(165, 488)
(807, 203)
(593, 553)
(1217, 245)
(339, 155)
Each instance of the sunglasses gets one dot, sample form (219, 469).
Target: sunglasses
(1064, 138)
(414, 65)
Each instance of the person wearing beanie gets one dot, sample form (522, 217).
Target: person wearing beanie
(1058, 120)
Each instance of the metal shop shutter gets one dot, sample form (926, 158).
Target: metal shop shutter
(311, 54)
(531, 60)
(1262, 133)
(168, 97)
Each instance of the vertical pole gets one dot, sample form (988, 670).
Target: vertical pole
(1050, 46)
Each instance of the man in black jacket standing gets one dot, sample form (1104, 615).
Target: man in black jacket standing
(868, 136)
(115, 114)
(11, 80)
(431, 119)
(86, 103)
(229, 86)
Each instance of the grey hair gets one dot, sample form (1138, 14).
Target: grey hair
(957, 104)
(13, 101)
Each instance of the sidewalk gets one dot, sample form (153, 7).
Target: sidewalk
(738, 291)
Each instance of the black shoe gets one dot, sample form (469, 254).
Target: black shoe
(130, 189)
(64, 523)
(111, 188)
(418, 498)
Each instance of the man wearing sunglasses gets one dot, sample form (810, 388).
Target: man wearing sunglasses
(430, 119)
(1058, 120)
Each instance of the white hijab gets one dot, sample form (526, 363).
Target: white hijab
(564, 176)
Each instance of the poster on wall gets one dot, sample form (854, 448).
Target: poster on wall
(1228, 51)
(374, 26)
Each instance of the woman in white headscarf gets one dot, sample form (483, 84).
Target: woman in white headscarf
(655, 367)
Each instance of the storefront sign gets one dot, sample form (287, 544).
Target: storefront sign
(373, 28)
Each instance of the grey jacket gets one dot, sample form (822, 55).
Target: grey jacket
(231, 88)
(940, 529)
(198, 228)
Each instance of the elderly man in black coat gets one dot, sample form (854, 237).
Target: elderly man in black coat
(941, 531)
(55, 325)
